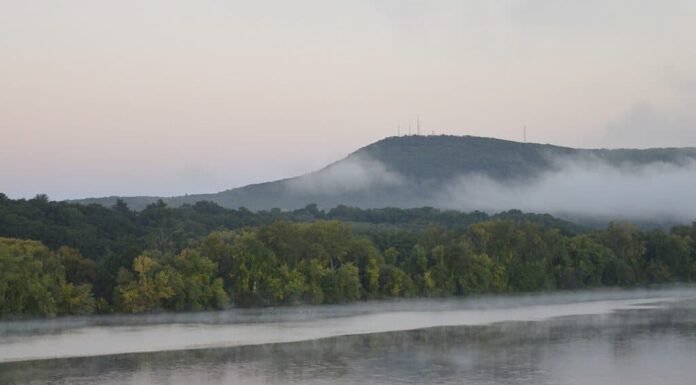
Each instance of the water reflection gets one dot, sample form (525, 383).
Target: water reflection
(642, 346)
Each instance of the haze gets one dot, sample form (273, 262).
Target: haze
(167, 98)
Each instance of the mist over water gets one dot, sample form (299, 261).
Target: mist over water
(637, 337)
(92, 336)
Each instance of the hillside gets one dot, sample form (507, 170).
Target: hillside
(415, 171)
(444, 157)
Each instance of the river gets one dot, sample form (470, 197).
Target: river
(598, 337)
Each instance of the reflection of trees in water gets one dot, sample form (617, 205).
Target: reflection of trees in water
(516, 353)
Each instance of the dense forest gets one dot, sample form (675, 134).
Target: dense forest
(59, 258)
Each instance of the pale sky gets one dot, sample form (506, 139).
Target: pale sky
(171, 97)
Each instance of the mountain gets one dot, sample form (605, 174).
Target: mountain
(415, 171)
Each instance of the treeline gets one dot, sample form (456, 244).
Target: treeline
(322, 261)
(97, 231)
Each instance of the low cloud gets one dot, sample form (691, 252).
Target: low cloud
(579, 188)
(355, 174)
(587, 188)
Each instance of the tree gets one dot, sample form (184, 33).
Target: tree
(342, 284)
(32, 282)
(254, 274)
(198, 286)
(439, 280)
(625, 242)
(76, 299)
(78, 269)
(584, 263)
(481, 274)
(394, 282)
(313, 272)
(30, 279)
(145, 290)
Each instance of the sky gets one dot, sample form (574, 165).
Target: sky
(171, 97)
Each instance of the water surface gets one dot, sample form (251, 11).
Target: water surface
(601, 338)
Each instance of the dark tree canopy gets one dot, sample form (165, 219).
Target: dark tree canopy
(61, 258)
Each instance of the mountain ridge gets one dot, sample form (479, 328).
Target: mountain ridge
(401, 171)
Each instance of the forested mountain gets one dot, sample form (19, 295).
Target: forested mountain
(417, 171)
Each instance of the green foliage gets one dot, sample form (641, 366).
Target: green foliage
(77, 299)
(145, 288)
(482, 275)
(30, 279)
(314, 274)
(394, 282)
(98, 231)
(584, 264)
(32, 282)
(78, 269)
(370, 278)
(187, 281)
(627, 244)
(197, 286)
(206, 257)
(342, 284)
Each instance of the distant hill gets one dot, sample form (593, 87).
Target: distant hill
(413, 171)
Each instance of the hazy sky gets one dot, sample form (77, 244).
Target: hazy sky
(170, 97)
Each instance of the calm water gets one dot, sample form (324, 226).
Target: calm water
(596, 338)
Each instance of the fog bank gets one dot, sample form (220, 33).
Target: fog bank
(588, 188)
(354, 174)
(578, 187)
